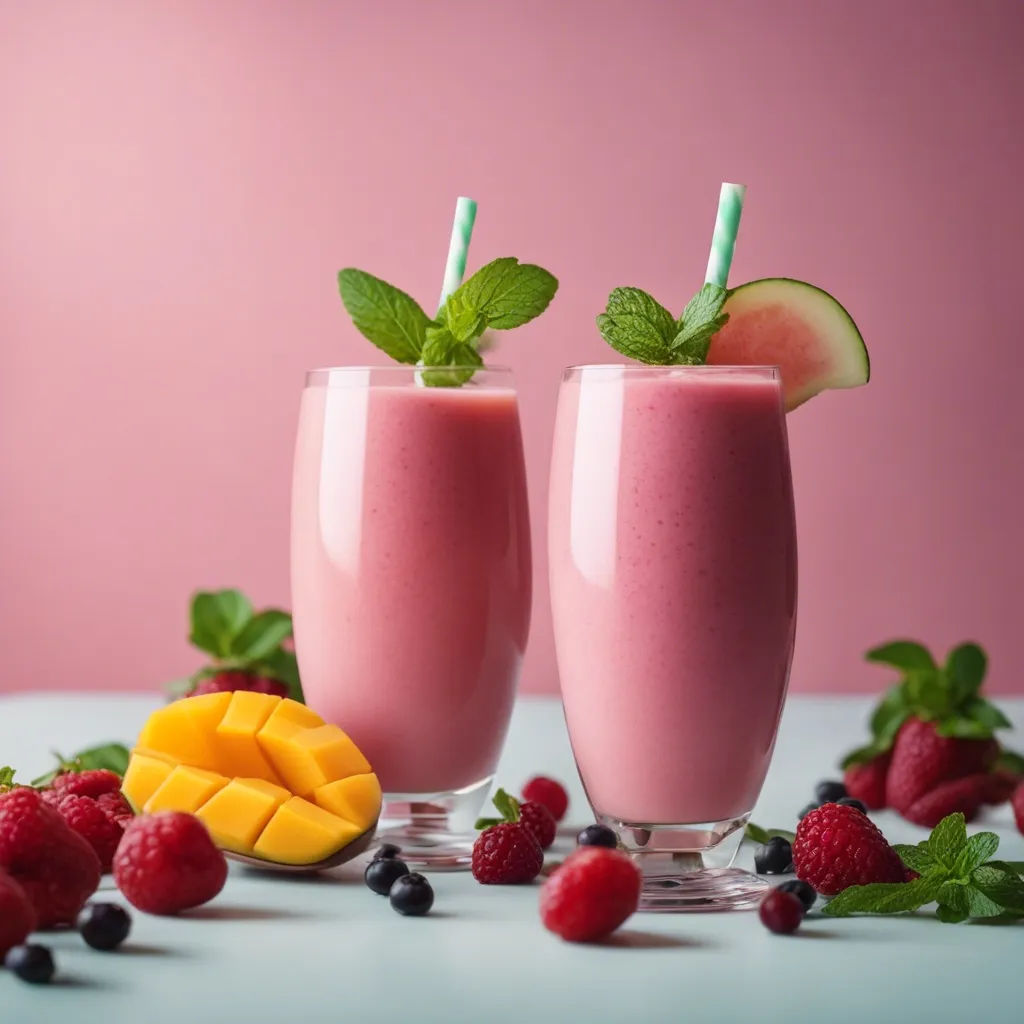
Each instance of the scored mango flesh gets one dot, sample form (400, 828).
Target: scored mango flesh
(267, 776)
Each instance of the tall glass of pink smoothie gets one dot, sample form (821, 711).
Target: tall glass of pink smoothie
(411, 586)
(673, 568)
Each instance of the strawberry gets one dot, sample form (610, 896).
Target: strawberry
(56, 867)
(17, 915)
(591, 894)
(922, 760)
(1018, 806)
(1000, 786)
(965, 795)
(866, 781)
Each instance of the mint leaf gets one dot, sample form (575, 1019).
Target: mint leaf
(917, 858)
(507, 293)
(464, 322)
(262, 634)
(508, 806)
(965, 670)
(217, 618)
(954, 895)
(893, 708)
(637, 325)
(481, 823)
(1001, 884)
(701, 320)
(948, 840)
(884, 897)
(906, 655)
(927, 694)
(985, 713)
(441, 350)
(980, 848)
(383, 314)
(1009, 761)
(760, 835)
(1013, 867)
(962, 728)
(980, 905)
(863, 754)
(6, 778)
(283, 666)
(112, 757)
(947, 915)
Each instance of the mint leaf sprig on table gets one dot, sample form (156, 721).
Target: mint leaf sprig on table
(956, 871)
(224, 625)
(947, 694)
(500, 296)
(637, 325)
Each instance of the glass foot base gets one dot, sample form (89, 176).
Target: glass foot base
(434, 830)
(689, 867)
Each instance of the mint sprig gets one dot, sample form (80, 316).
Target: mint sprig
(500, 296)
(224, 625)
(756, 834)
(956, 872)
(637, 325)
(947, 694)
(508, 808)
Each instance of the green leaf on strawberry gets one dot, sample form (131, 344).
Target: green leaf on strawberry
(507, 806)
(6, 778)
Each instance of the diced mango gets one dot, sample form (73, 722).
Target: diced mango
(186, 730)
(302, 833)
(356, 799)
(238, 814)
(185, 789)
(144, 777)
(236, 735)
(268, 778)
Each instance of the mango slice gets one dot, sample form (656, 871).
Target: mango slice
(267, 776)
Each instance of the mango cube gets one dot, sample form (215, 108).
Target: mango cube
(300, 832)
(185, 789)
(238, 814)
(267, 776)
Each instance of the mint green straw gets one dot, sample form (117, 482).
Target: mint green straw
(727, 223)
(462, 232)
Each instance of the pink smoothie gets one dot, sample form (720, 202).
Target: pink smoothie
(411, 572)
(673, 585)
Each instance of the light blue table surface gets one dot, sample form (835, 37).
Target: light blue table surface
(328, 950)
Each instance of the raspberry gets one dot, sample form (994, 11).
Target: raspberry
(591, 894)
(781, 912)
(55, 866)
(167, 863)
(866, 781)
(116, 807)
(965, 795)
(88, 819)
(551, 794)
(537, 818)
(1018, 806)
(92, 783)
(272, 686)
(17, 916)
(837, 846)
(223, 682)
(506, 854)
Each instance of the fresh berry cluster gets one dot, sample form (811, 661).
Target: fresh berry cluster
(408, 892)
(230, 681)
(510, 849)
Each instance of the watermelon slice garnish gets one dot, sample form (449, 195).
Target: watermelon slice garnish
(801, 329)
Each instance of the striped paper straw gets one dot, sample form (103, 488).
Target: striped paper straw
(727, 223)
(462, 231)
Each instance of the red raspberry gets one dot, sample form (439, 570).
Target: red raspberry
(88, 819)
(55, 866)
(866, 782)
(272, 686)
(1017, 803)
(537, 818)
(17, 916)
(92, 783)
(837, 846)
(591, 894)
(506, 854)
(551, 794)
(965, 795)
(223, 682)
(116, 807)
(781, 912)
(167, 863)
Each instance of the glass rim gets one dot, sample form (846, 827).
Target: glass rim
(724, 369)
(324, 376)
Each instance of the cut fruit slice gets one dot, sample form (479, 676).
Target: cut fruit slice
(797, 327)
(223, 759)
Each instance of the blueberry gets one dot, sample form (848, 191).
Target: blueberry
(412, 896)
(849, 801)
(774, 858)
(382, 874)
(829, 792)
(807, 810)
(598, 835)
(386, 851)
(801, 890)
(31, 963)
(104, 925)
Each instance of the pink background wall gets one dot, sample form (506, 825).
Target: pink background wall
(180, 180)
